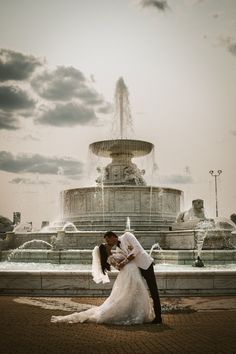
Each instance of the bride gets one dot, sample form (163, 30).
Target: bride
(129, 301)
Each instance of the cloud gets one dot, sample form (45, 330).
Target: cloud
(14, 103)
(19, 180)
(30, 137)
(232, 48)
(216, 15)
(176, 179)
(92, 78)
(90, 96)
(229, 43)
(40, 164)
(16, 66)
(60, 84)
(61, 97)
(68, 115)
(14, 98)
(160, 5)
(8, 121)
(106, 108)
(65, 84)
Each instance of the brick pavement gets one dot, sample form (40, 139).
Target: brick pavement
(27, 329)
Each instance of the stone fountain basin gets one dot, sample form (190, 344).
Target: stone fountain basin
(68, 281)
(135, 148)
(90, 209)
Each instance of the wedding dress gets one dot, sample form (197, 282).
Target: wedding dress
(129, 301)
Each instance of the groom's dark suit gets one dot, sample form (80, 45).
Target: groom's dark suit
(131, 246)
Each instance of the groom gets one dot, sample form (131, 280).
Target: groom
(133, 250)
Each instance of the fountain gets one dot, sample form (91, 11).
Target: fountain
(123, 188)
(57, 260)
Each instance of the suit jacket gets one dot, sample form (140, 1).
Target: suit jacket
(129, 245)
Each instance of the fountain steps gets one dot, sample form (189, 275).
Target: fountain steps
(210, 257)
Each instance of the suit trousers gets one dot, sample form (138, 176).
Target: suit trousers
(150, 278)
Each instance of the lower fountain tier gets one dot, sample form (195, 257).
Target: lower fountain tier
(86, 240)
(149, 208)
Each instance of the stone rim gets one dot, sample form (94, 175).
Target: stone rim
(135, 148)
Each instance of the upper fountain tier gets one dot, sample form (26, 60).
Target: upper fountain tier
(110, 148)
(121, 171)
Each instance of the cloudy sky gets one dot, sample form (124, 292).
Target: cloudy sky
(59, 63)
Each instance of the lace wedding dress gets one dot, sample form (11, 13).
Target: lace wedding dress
(129, 301)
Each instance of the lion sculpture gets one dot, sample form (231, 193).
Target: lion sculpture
(190, 218)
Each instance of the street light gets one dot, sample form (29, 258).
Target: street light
(215, 175)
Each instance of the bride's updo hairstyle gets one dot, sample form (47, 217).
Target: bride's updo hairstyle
(103, 256)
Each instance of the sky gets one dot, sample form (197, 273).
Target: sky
(59, 64)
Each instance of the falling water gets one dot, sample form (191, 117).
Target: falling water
(219, 224)
(154, 168)
(100, 188)
(150, 205)
(28, 245)
(222, 224)
(202, 230)
(156, 245)
(69, 226)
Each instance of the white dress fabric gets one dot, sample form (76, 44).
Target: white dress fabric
(129, 301)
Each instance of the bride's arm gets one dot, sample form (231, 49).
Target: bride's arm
(117, 262)
(125, 261)
(112, 261)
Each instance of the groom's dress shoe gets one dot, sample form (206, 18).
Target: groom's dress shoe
(157, 321)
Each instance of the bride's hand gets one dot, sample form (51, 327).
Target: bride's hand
(123, 263)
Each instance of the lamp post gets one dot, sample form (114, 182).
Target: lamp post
(215, 175)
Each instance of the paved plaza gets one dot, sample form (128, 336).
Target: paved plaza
(203, 325)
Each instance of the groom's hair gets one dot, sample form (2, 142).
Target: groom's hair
(110, 234)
